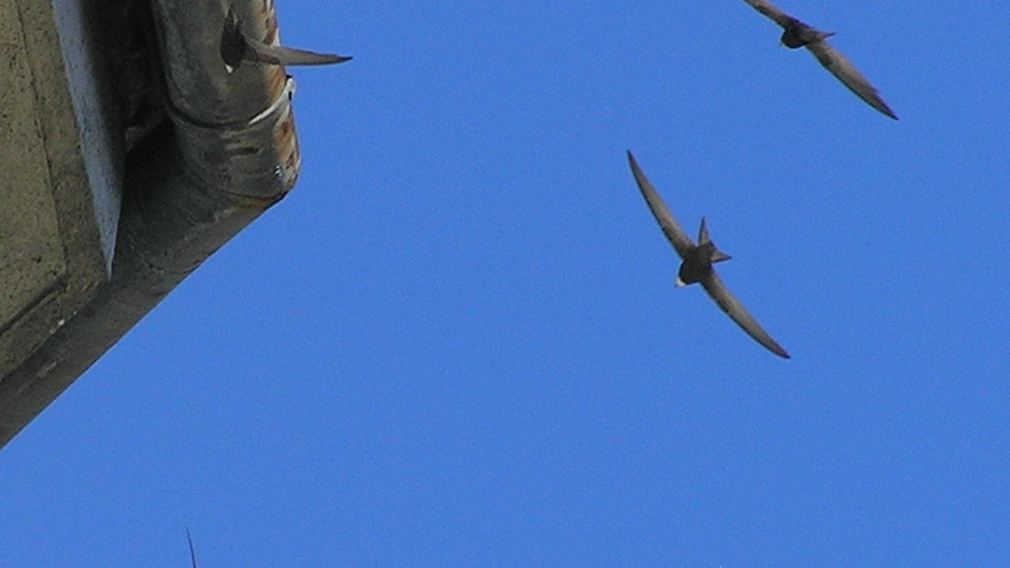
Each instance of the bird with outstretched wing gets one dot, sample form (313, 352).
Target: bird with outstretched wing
(798, 34)
(697, 262)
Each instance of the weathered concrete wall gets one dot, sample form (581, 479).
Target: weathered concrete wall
(61, 186)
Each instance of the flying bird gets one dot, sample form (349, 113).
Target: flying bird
(698, 260)
(799, 34)
(236, 46)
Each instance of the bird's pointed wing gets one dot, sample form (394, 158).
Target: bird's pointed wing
(192, 552)
(236, 46)
(280, 55)
(846, 72)
(676, 235)
(769, 9)
(729, 304)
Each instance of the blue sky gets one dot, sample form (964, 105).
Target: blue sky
(458, 342)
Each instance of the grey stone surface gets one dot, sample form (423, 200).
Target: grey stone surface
(53, 254)
(98, 127)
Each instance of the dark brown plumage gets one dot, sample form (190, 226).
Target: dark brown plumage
(236, 46)
(698, 260)
(798, 34)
